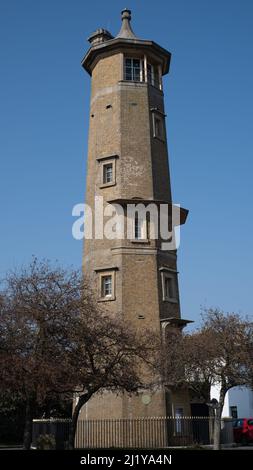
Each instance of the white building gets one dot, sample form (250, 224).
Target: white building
(238, 402)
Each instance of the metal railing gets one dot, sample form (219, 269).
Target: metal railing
(138, 433)
(57, 427)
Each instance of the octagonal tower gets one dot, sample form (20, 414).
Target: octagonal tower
(128, 162)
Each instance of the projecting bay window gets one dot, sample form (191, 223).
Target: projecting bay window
(139, 70)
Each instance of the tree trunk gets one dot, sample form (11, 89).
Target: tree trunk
(217, 421)
(217, 427)
(211, 424)
(27, 438)
(72, 432)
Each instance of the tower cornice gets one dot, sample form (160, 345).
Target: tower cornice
(122, 44)
(124, 202)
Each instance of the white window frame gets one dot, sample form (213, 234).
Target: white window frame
(144, 64)
(142, 78)
(143, 230)
(103, 161)
(151, 81)
(106, 285)
(150, 77)
(102, 275)
(106, 166)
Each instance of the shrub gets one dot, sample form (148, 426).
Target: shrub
(46, 442)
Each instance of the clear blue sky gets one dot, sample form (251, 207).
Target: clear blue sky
(44, 109)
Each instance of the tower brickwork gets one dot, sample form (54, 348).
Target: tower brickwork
(128, 162)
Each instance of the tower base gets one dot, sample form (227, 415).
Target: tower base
(122, 421)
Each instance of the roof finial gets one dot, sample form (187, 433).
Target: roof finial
(126, 30)
(126, 14)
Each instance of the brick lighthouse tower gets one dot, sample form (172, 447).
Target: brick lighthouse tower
(128, 163)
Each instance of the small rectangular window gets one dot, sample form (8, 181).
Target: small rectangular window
(169, 285)
(106, 286)
(158, 128)
(169, 291)
(158, 125)
(233, 412)
(137, 227)
(107, 173)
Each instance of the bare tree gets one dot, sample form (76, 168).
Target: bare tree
(111, 357)
(55, 341)
(219, 353)
(38, 303)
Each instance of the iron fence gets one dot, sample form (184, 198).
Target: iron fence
(150, 432)
(59, 428)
